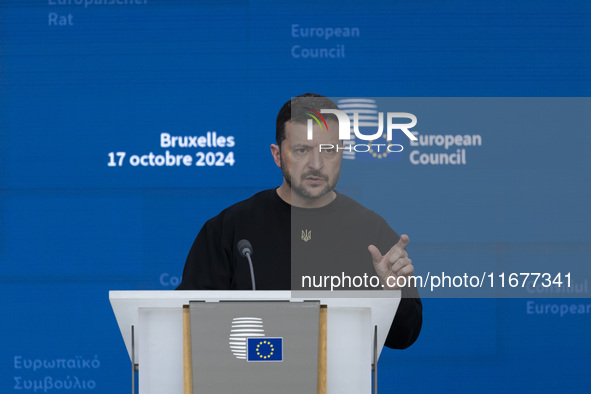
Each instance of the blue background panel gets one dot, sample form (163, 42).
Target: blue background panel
(72, 228)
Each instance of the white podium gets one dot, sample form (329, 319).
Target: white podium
(157, 343)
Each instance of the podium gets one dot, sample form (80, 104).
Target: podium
(151, 323)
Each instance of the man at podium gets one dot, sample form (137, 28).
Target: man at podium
(307, 236)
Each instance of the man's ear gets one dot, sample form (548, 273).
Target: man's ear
(276, 152)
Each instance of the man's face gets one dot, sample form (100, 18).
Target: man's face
(310, 173)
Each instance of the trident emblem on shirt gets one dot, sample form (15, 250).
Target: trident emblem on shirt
(306, 235)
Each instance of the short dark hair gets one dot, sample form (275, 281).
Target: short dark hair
(294, 110)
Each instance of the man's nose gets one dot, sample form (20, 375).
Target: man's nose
(315, 161)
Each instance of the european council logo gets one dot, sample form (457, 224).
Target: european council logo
(265, 349)
(369, 122)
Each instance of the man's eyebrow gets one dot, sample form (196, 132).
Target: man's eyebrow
(301, 145)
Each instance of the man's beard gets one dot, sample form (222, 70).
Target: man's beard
(301, 190)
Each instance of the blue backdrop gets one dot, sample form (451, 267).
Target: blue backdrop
(89, 87)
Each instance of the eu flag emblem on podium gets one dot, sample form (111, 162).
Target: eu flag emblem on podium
(265, 349)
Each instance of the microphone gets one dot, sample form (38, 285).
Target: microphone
(245, 249)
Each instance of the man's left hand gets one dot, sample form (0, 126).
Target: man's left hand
(393, 264)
